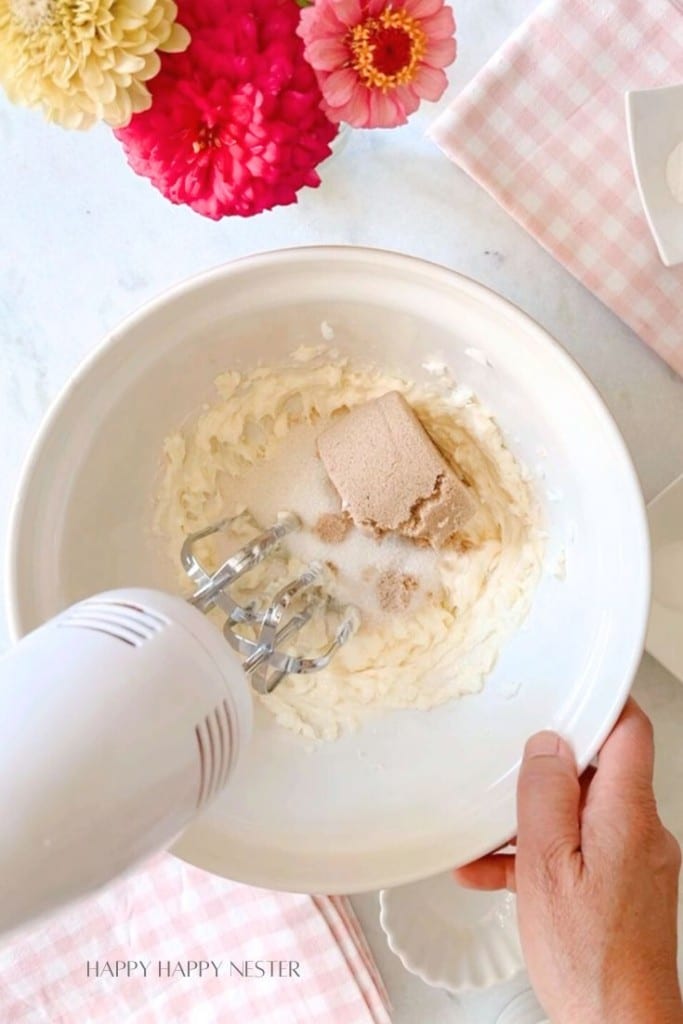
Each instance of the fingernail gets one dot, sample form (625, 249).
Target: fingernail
(543, 744)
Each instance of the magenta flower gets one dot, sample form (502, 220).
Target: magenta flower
(377, 59)
(236, 124)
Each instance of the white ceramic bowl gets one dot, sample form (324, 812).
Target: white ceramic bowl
(665, 629)
(411, 793)
(655, 126)
(452, 938)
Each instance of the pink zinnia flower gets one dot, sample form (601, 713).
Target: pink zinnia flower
(236, 124)
(376, 59)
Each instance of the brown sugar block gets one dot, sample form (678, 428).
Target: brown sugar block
(390, 475)
(333, 527)
(395, 590)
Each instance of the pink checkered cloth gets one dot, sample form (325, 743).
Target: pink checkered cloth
(542, 128)
(170, 914)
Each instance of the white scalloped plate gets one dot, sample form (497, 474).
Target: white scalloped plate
(450, 937)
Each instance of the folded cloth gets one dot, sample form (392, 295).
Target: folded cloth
(542, 128)
(85, 966)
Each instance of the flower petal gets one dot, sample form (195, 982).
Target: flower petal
(440, 53)
(178, 40)
(408, 98)
(349, 12)
(152, 65)
(339, 87)
(326, 54)
(422, 8)
(129, 63)
(429, 83)
(440, 25)
(384, 111)
(357, 111)
(140, 7)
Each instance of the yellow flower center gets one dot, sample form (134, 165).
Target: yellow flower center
(31, 14)
(386, 51)
(207, 138)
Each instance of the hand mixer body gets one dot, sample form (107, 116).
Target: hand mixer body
(121, 719)
(125, 715)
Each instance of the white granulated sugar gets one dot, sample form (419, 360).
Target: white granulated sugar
(254, 448)
(437, 368)
(292, 478)
(461, 396)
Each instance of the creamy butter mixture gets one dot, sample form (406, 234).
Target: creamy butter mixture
(255, 450)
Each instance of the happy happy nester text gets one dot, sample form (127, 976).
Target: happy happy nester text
(192, 968)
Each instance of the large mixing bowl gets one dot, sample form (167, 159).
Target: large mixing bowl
(411, 793)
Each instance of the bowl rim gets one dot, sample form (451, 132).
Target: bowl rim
(385, 259)
(669, 256)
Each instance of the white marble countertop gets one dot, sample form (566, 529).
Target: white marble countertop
(83, 242)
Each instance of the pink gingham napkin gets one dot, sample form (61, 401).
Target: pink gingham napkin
(542, 128)
(170, 913)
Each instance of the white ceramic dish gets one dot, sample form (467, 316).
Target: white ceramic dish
(524, 1009)
(451, 937)
(411, 793)
(665, 629)
(655, 126)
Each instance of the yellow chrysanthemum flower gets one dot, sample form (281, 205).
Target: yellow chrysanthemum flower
(84, 61)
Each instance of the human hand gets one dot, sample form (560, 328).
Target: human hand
(596, 876)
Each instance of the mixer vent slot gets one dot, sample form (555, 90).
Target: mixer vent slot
(127, 622)
(216, 751)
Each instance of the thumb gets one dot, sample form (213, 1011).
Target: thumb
(548, 801)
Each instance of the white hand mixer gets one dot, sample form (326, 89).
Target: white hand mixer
(124, 716)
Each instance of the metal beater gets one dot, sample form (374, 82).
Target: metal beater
(264, 660)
